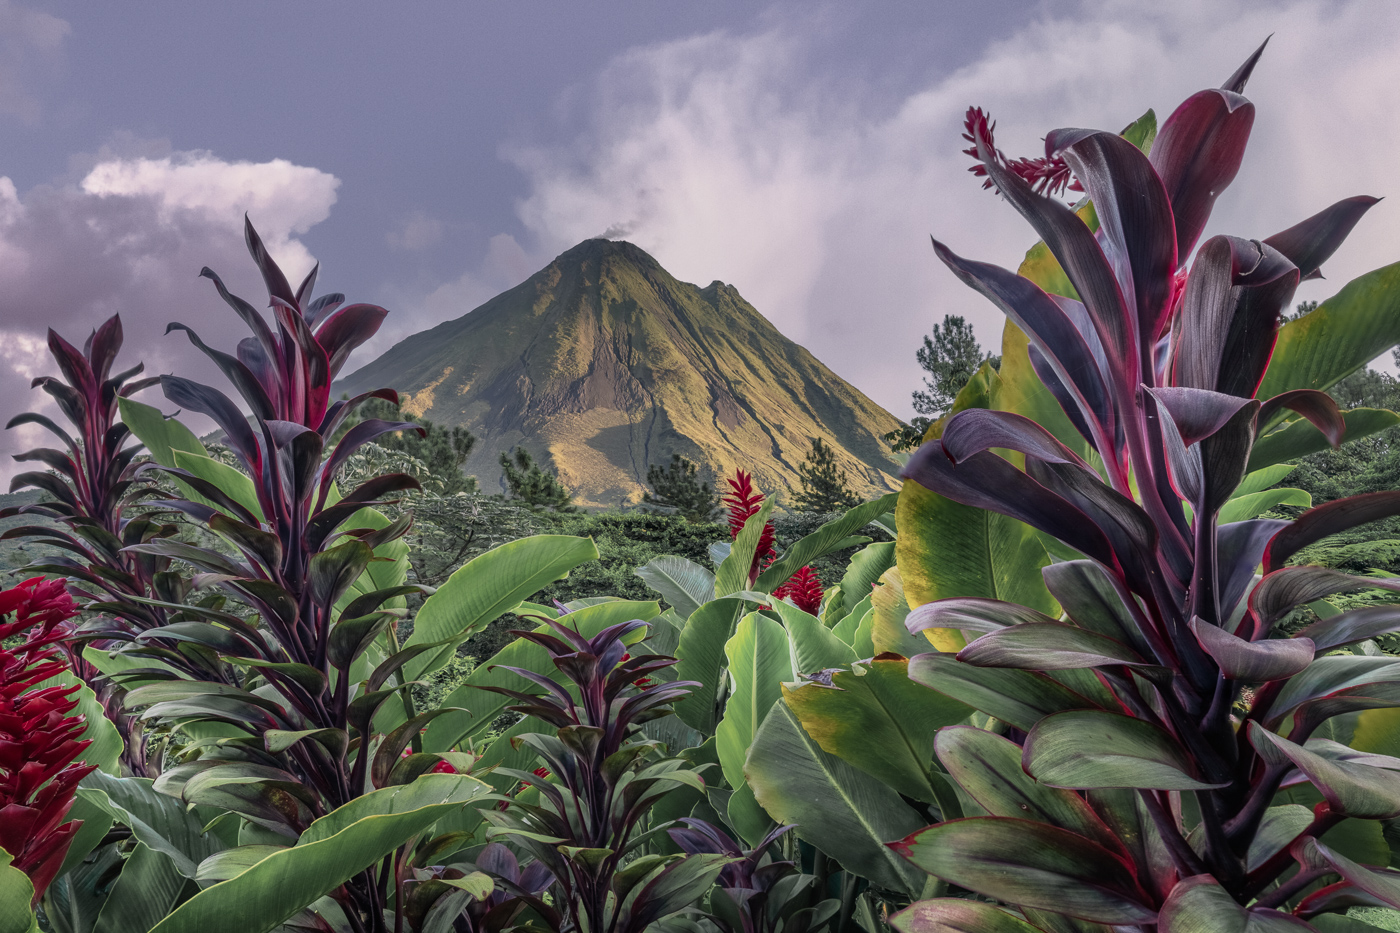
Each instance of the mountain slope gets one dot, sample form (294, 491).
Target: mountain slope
(602, 363)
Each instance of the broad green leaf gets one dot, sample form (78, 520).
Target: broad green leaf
(958, 915)
(388, 570)
(483, 707)
(877, 719)
(846, 628)
(16, 892)
(700, 657)
(844, 812)
(161, 822)
(147, 889)
(812, 646)
(1260, 480)
(1378, 731)
(988, 769)
(1084, 749)
(487, 586)
(1299, 438)
(232, 481)
(1032, 865)
(1018, 698)
(333, 850)
(758, 664)
(1020, 390)
(76, 896)
(682, 583)
(733, 574)
(829, 537)
(1255, 504)
(161, 435)
(891, 608)
(1344, 333)
(95, 826)
(864, 571)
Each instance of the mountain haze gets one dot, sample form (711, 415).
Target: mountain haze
(602, 363)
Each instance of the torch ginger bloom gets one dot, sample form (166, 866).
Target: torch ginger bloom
(39, 739)
(743, 502)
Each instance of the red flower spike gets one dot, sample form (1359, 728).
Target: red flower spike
(39, 739)
(442, 767)
(1047, 175)
(744, 501)
(804, 589)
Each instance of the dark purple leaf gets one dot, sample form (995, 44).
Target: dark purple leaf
(276, 282)
(243, 378)
(1197, 153)
(1253, 662)
(1063, 393)
(1094, 600)
(102, 347)
(1199, 413)
(313, 390)
(215, 404)
(1240, 78)
(1317, 523)
(339, 410)
(318, 310)
(247, 312)
(1317, 407)
(1353, 626)
(1239, 549)
(1048, 646)
(1313, 241)
(44, 421)
(252, 355)
(975, 430)
(1135, 217)
(346, 329)
(1284, 590)
(332, 572)
(978, 615)
(355, 438)
(307, 286)
(1354, 790)
(1016, 697)
(75, 367)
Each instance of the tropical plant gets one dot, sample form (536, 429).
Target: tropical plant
(532, 485)
(678, 489)
(599, 781)
(40, 738)
(1164, 764)
(442, 451)
(823, 482)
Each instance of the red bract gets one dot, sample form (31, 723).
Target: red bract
(743, 502)
(804, 589)
(1048, 174)
(39, 740)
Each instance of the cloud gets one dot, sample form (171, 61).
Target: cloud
(130, 238)
(761, 160)
(415, 233)
(30, 40)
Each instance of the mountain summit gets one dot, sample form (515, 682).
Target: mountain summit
(602, 363)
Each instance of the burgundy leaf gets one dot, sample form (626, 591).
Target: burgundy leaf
(1197, 153)
(1239, 549)
(1317, 523)
(247, 312)
(243, 378)
(1240, 78)
(355, 438)
(346, 329)
(1317, 407)
(1283, 590)
(977, 429)
(307, 286)
(276, 282)
(215, 404)
(1253, 662)
(102, 347)
(1312, 242)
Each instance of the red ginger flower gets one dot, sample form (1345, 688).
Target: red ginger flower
(1048, 174)
(804, 589)
(743, 501)
(39, 740)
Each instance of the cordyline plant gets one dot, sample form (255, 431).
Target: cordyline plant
(314, 676)
(40, 739)
(600, 779)
(1152, 728)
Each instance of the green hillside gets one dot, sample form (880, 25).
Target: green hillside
(602, 363)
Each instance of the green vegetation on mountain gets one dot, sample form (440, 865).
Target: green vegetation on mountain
(603, 364)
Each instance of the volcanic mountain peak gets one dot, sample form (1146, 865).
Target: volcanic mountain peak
(602, 363)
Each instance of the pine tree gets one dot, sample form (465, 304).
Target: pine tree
(532, 485)
(824, 486)
(678, 489)
(949, 357)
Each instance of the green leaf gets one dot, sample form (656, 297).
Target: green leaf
(1031, 865)
(846, 628)
(486, 587)
(1255, 504)
(161, 822)
(162, 436)
(812, 646)
(333, 850)
(1344, 333)
(1263, 479)
(844, 812)
(16, 892)
(1200, 905)
(232, 481)
(864, 571)
(682, 583)
(988, 768)
(877, 719)
(700, 657)
(958, 915)
(147, 889)
(1018, 698)
(891, 608)
(1299, 438)
(733, 573)
(484, 707)
(829, 537)
(1085, 749)
(758, 664)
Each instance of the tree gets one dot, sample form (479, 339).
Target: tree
(949, 357)
(824, 486)
(678, 489)
(532, 485)
(442, 451)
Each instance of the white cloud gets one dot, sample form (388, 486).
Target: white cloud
(30, 41)
(416, 232)
(736, 157)
(130, 238)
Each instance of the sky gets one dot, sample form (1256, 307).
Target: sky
(432, 154)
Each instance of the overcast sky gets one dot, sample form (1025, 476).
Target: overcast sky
(432, 154)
